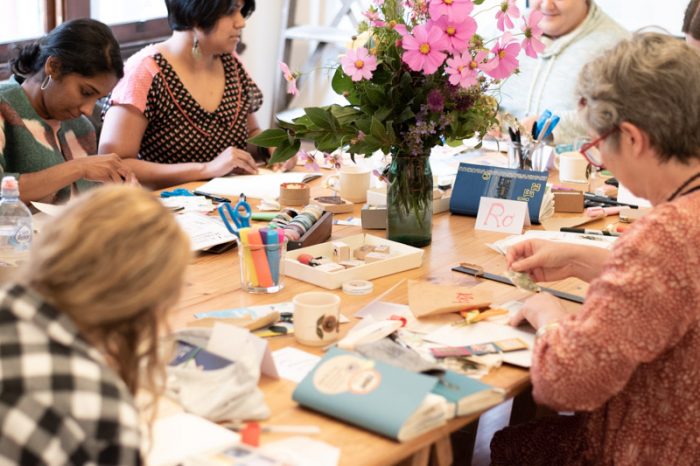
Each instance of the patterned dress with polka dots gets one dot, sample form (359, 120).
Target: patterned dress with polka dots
(179, 129)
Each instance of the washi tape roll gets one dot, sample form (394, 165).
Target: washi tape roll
(358, 287)
(295, 194)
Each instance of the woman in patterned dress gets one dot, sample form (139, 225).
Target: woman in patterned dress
(627, 362)
(45, 137)
(185, 108)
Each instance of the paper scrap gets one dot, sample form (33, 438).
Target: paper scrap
(238, 344)
(303, 451)
(204, 231)
(51, 210)
(294, 364)
(425, 298)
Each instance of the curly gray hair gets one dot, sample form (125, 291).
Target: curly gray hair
(652, 81)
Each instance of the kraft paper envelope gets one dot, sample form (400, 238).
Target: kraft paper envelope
(427, 299)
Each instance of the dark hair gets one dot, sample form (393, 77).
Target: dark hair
(184, 15)
(83, 46)
(691, 20)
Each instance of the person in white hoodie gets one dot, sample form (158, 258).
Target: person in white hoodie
(575, 32)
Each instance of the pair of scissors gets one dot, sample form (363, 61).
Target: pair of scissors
(240, 215)
(545, 125)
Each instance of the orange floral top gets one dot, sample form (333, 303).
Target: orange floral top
(631, 356)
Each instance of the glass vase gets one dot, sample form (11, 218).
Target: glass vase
(410, 200)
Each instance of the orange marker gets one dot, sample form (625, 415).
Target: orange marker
(257, 251)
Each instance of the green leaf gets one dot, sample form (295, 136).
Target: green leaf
(269, 138)
(478, 2)
(341, 82)
(327, 143)
(382, 113)
(377, 129)
(319, 116)
(376, 96)
(285, 151)
(453, 142)
(364, 125)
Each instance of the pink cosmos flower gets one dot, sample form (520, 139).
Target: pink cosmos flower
(308, 160)
(359, 64)
(506, 14)
(532, 31)
(424, 48)
(458, 33)
(504, 62)
(401, 29)
(460, 70)
(371, 14)
(455, 10)
(334, 160)
(291, 79)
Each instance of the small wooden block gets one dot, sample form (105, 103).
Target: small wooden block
(375, 257)
(331, 267)
(341, 251)
(361, 252)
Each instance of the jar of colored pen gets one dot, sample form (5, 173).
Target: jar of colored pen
(261, 253)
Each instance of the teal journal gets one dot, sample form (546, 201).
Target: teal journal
(476, 181)
(370, 394)
(465, 395)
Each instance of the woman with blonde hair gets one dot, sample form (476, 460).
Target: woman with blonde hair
(80, 324)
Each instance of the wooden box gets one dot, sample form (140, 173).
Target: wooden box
(320, 232)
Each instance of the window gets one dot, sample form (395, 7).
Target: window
(134, 22)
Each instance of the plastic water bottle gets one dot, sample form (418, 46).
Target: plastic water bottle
(15, 225)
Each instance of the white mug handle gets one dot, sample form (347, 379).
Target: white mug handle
(332, 182)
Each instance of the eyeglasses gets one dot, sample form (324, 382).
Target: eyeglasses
(590, 149)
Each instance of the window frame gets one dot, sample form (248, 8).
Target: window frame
(131, 36)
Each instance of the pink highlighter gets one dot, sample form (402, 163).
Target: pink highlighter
(597, 212)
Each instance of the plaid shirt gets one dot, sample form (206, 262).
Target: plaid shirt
(59, 401)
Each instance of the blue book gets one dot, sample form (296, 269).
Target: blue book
(466, 395)
(379, 397)
(476, 181)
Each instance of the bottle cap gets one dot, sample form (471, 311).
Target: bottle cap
(9, 182)
(358, 287)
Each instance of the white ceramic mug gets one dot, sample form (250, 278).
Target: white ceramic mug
(573, 167)
(351, 183)
(316, 318)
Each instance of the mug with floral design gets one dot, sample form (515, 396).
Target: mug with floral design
(316, 318)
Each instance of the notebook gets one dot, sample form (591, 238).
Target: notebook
(256, 186)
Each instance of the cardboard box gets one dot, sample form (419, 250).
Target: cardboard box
(374, 217)
(568, 201)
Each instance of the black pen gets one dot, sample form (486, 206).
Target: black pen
(586, 231)
(218, 199)
(606, 200)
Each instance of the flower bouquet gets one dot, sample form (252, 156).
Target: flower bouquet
(416, 75)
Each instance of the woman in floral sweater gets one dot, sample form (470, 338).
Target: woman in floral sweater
(626, 363)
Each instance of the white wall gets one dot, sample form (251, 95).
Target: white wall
(635, 14)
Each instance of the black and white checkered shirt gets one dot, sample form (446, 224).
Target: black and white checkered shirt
(59, 401)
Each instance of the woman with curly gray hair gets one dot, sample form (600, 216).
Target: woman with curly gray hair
(626, 362)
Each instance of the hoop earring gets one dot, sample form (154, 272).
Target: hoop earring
(45, 83)
(196, 51)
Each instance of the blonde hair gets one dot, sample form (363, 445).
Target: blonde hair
(651, 81)
(114, 261)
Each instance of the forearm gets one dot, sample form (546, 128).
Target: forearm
(162, 175)
(39, 185)
(587, 262)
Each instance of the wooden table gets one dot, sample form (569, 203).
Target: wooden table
(213, 283)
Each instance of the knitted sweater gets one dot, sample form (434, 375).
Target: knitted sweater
(30, 144)
(629, 357)
(549, 82)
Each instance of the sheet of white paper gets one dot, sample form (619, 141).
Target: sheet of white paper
(381, 310)
(303, 451)
(189, 203)
(605, 242)
(625, 196)
(238, 344)
(293, 364)
(185, 436)
(49, 209)
(255, 186)
(204, 231)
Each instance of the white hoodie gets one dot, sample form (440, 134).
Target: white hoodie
(549, 82)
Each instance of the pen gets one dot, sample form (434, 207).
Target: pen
(596, 212)
(606, 200)
(218, 199)
(588, 232)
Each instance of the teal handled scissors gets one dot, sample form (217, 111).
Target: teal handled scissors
(240, 215)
